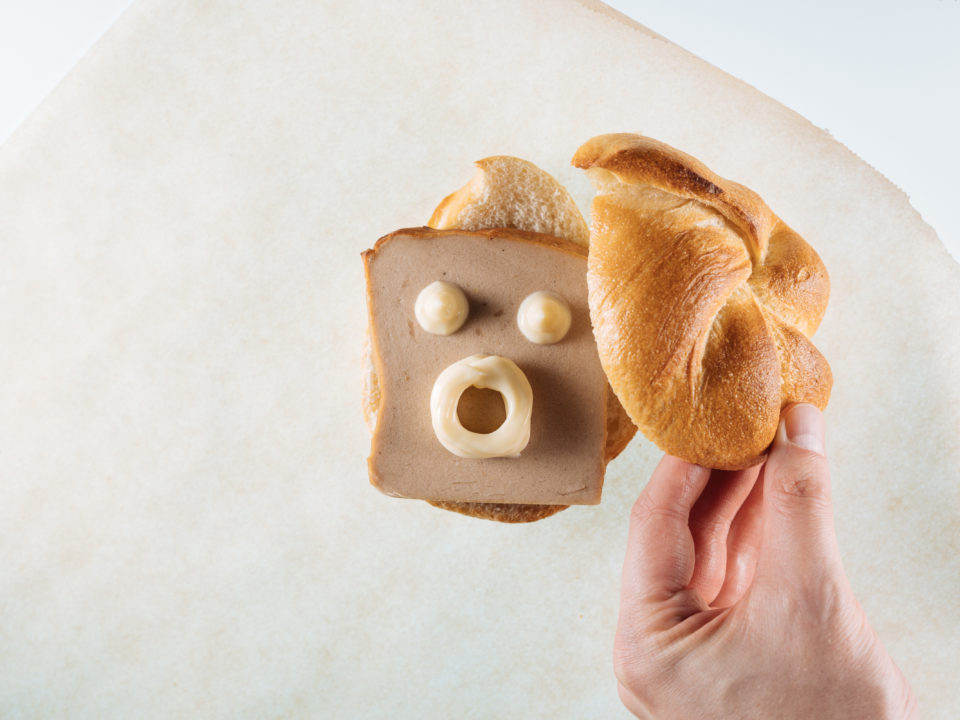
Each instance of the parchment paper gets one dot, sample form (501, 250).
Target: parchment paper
(186, 528)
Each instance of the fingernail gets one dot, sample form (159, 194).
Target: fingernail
(803, 425)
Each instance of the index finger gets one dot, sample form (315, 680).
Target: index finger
(660, 548)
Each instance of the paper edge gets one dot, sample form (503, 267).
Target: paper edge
(614, 15)
(139, 8)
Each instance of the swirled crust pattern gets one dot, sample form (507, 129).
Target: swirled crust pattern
(702, 302)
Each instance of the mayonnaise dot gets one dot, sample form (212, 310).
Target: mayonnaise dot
(441, 308)
(544, 317)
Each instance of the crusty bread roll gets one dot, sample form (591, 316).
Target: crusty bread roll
(702, 302)
(510, 192)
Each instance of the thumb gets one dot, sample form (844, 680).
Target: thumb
(799, 541)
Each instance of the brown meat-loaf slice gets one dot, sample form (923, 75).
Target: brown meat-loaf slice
(577, 423)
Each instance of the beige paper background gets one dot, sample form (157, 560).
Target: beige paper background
(186, 527)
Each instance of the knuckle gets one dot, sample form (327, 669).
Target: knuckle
(641, 671)
(641, 508)
(804, 475)
(644, 510)
(633, 703)
(708, 529)
(628, 666)
(631, 661)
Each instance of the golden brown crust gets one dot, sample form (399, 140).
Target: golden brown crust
(639, 160)
(509, 233)
(702, 302)
(450, 205)
(619, 428)
(804, 371)
(792, 282)
(501, 512)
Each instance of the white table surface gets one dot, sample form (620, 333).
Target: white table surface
(881, 76)
(142, 592)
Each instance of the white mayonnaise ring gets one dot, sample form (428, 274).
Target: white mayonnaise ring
(486, 372)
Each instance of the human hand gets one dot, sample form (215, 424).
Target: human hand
(734, 602)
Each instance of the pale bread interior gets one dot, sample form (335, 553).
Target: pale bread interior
(513, 193)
